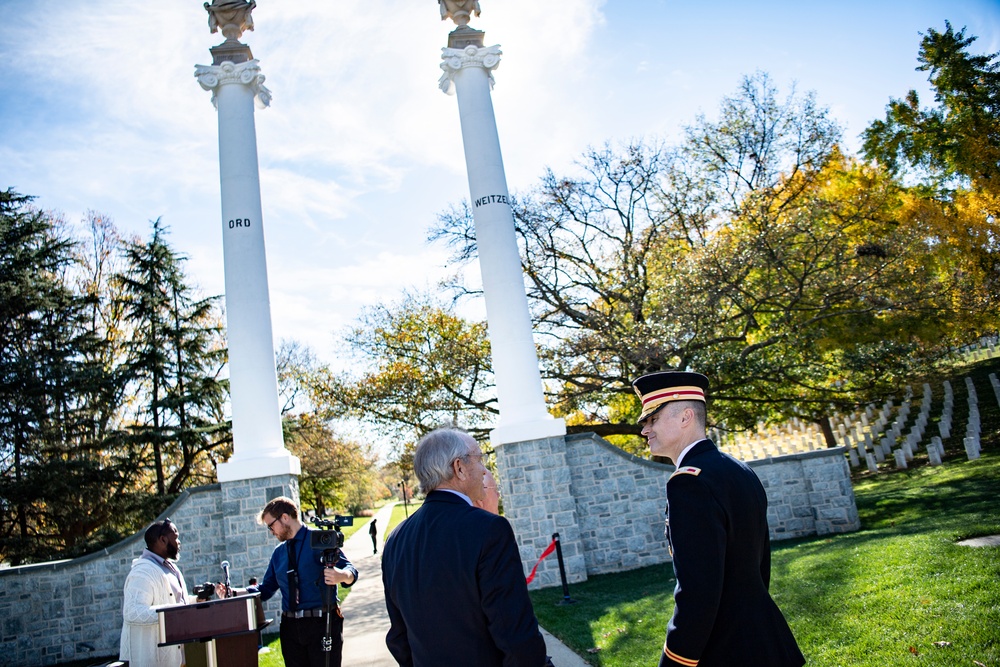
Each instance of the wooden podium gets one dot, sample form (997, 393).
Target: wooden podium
(226, 632)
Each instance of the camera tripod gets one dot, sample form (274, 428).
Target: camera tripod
(330, 557)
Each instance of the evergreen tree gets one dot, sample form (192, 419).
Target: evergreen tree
(174, 362)
(57, 472)
(957, 140)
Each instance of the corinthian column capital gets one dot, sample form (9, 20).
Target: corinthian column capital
(211, 77)
(486, 57)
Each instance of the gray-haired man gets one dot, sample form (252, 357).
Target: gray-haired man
(454, 586)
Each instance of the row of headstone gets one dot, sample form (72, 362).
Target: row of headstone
(944, 424)
(935, 448)
(905, 451)
(972, 429)
(910, 445)
(986, 347)
(877, 442)
(792, 437)
(871, 435)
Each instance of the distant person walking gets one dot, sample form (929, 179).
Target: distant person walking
(454, 585)
(373, 531)
(717, 534)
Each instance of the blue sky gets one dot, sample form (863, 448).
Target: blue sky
(359, 151)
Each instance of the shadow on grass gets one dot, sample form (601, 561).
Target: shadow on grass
(611, 614)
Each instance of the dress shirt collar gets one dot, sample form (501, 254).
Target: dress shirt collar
(156, 558)
(686, 450)
(457, 493)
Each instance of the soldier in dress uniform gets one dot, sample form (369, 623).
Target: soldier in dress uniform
(718, 537)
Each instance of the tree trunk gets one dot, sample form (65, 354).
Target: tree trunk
(824, 424)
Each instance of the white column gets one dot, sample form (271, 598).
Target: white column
(523, 415)
(258, 446)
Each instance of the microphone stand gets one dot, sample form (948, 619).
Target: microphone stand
(225, 569)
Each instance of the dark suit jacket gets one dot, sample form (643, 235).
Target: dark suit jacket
(717, 529)
(455, 590)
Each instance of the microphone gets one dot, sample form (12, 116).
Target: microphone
(225, 568)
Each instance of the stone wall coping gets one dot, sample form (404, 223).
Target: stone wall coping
(56, 565)
(618, 451)
(801, 456)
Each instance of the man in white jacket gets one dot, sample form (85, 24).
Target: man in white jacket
(153, 581)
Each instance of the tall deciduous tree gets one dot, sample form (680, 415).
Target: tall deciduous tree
(338, 473)
(419, 366)
(953, 151)
(754, 251)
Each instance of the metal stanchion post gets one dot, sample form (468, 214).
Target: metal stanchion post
(562, 572)
(406, 506)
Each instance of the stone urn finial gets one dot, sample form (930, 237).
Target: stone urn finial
(231, 17)
(459, 11)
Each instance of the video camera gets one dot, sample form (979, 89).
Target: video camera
(204, 591)
(329, 538)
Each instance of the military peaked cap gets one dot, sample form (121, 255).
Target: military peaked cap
(657, 389)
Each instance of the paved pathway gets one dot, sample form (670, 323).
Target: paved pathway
(365, 618)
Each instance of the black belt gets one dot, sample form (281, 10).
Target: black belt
(303, 613)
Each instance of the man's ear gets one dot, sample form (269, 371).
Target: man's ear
(456, 468)
(687, 414)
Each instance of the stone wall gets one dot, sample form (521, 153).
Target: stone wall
(544, 503)
(808, 494)
(608, 506)
(72, 609)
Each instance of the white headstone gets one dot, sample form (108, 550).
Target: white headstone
(907, 450)
(900, 458)
(971, 449)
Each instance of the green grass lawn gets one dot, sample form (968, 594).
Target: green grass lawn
(884, 595)
(273, 658)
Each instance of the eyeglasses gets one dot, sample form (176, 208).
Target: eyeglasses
(272, 523)
(165, 528)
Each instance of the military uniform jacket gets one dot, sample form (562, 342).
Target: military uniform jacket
(717, 531)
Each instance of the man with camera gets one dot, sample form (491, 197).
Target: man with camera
(301, 568)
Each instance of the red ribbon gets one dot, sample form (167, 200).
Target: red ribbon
(548, 550)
